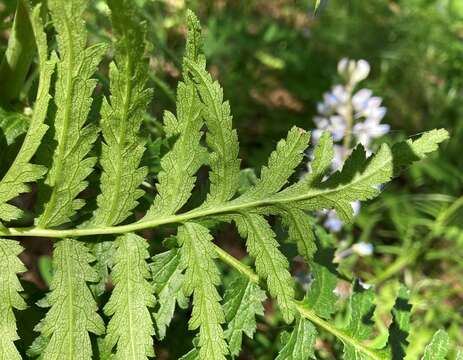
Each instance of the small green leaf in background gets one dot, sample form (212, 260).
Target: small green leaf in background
(46, 269)
(438, 348)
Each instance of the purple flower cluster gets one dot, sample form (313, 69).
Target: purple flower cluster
(352, 117)
(347, 114)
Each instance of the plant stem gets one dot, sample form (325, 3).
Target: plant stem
(349, 116)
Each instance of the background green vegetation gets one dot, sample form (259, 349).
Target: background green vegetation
(274, 59)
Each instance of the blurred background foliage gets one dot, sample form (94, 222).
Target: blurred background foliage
(275, 59)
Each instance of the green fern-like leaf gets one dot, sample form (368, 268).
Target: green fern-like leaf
(438, 348)
(189, 268)
(121, 116)
(359, 324)
(359, 178)
(176, 180)
(321, 296)
(10, 298)
(281, 164)
(271, 264)
(299, 344)
(201, 279)
(130, 329)
(22, 171)
(73, 310)
(177, 177)
(168, 282)
(242, 302)
(72, 97)
(221, 137)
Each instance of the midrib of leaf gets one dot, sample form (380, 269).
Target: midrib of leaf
(234, 206)
(63, 136)
(230, 206)
(216, 110)
(121, 141)
(303, 311)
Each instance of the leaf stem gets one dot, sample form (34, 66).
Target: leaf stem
(303, 310)
(228, 207)
(345, 338)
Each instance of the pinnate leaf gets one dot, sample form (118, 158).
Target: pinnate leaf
(73, 98)
(121, 117)
(22, 171)
(73, 311)
(271, 264)
(201, 279)
(221, 138)
(130, 329)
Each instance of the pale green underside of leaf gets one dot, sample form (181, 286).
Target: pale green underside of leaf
(201, 278)
(10, 299)
(221, 137)
(242, 302)
(130, 329)
(73, 98)
(438, 348)
(122, 146)
(271, 264)
(299, 344)
(22, 171)
(179, 166)
(281, 164)
(73, 312)
(121, 117)
(168, 282)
